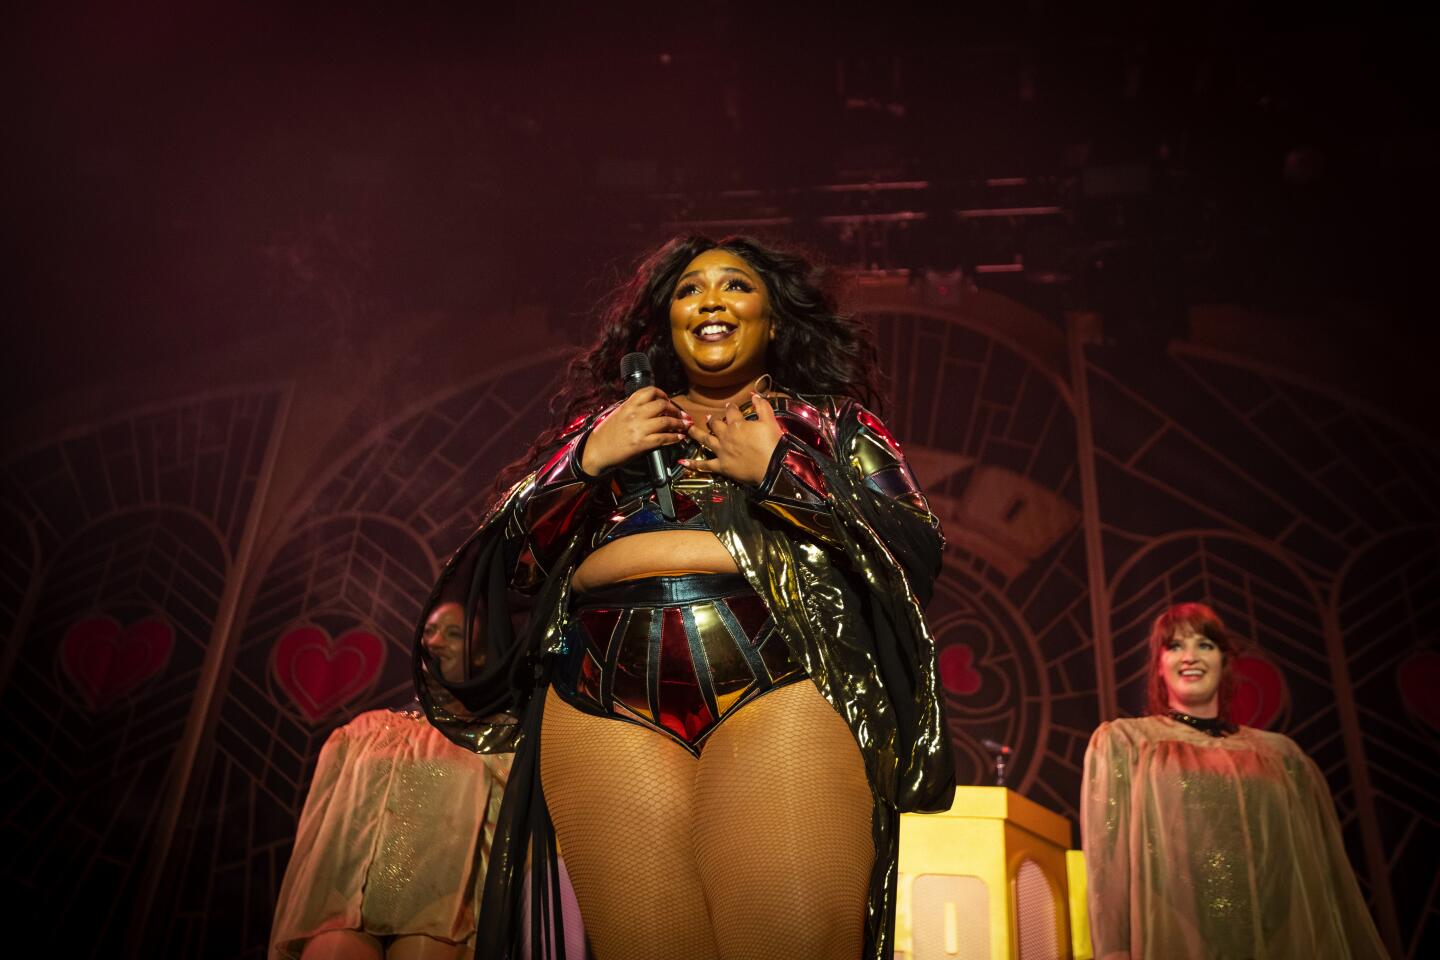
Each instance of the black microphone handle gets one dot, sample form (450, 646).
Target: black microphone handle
(639, 378)
(660, 479)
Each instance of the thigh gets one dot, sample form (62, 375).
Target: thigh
(420, 947)
(620, 796)
(782, 830)
(342, 945)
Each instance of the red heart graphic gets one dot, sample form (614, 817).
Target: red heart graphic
(319, 674)
(1259, 692)
(1419, 679)
(106, 661)
(957, 671)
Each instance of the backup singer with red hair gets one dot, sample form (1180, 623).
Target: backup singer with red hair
(1206, 839)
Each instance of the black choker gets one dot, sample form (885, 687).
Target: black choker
(1210, 726)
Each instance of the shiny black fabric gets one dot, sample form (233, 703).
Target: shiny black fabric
(837, 541)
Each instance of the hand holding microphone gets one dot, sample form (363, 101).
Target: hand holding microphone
(644, 423)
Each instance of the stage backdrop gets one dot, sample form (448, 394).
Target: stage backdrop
(196, 593)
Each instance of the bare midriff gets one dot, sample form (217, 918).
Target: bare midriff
(659, 554)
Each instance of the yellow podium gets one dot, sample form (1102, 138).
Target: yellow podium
(988, 880)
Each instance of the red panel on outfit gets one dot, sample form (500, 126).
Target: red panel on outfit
(806, 424)
(600, 624)
(552, 520)
(685, 508)
(806, 472)
(873, 423)
(682, 709)
(751, 612)
(588, 682)
(554, 461)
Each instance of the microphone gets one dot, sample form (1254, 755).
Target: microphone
(635, 373)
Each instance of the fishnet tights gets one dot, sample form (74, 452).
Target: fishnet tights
(758, 850)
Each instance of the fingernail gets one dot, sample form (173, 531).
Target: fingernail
(683, 462)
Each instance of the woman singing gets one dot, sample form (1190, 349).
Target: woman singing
(1204, 839)
(725, 692)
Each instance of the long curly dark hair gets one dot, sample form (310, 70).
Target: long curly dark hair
(816, 350)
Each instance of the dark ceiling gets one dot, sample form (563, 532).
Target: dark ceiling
(182, 179)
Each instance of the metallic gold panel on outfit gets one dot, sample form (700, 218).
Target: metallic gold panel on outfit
(816, 523)
(629, 664)
(870, 455)
(802, 420)
(778, 660)
(699, 657)
(730, 673)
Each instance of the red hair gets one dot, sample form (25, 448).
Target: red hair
(1206, 622)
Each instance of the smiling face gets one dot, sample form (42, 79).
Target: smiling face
(720, 320)
(1192, 665)
(444, 635)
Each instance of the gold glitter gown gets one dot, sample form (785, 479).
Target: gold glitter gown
(837, 541)
(394, 835)
(1221, 848)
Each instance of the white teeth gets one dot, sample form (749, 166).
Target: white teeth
(713, 329)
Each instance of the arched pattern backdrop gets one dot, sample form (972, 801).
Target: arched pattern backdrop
(1388, 607)
(991, 435)
(97, 703)
(1197, 441)
(327, 635)
(132, 526)
(1301, 514)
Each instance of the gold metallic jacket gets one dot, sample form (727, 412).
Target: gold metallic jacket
(837, 540)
